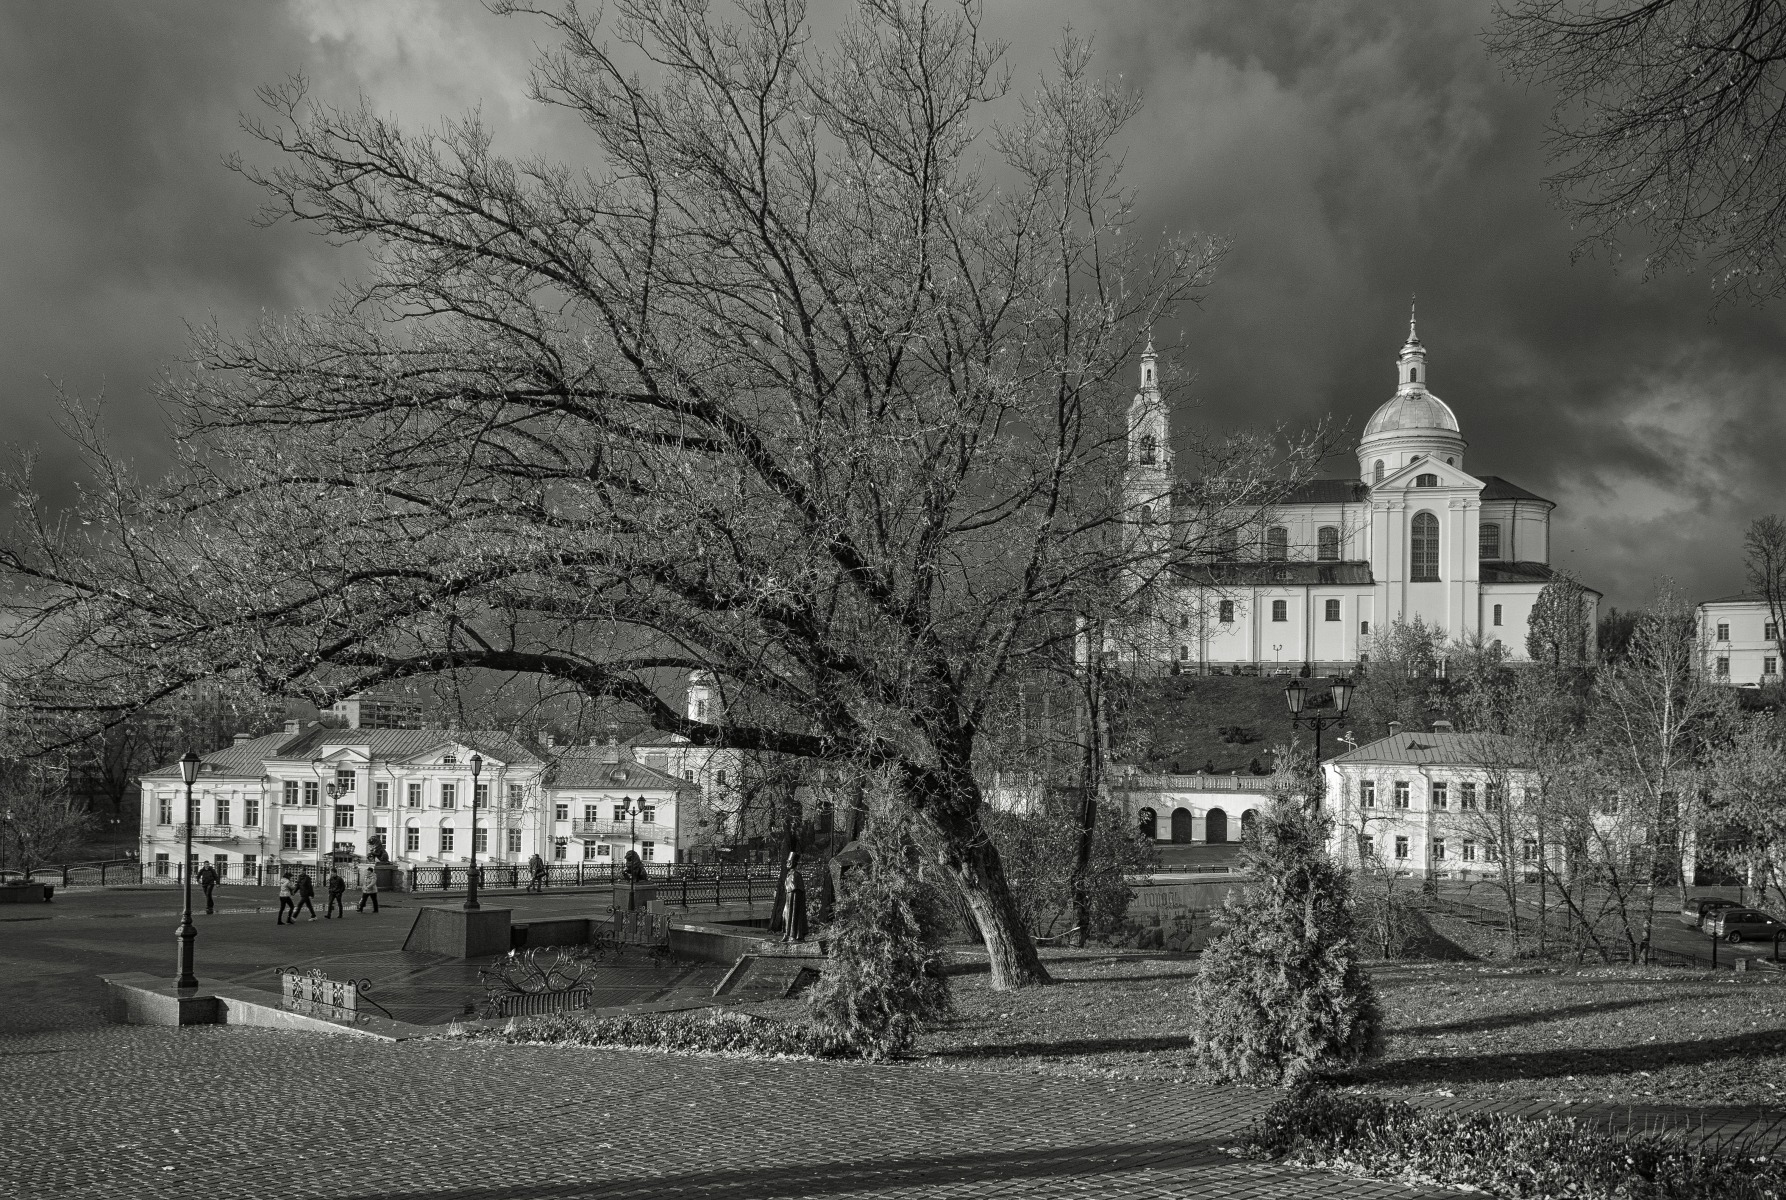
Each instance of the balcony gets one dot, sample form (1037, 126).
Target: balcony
(217, 833)
(648, 831)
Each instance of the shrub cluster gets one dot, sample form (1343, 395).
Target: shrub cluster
(710, 1031)
(1509, 1156)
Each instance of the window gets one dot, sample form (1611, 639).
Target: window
(412, 840)
(1149, 449)
(1438, 848)
(647, 815)
(480, 796)
(1401, 847)
(251, 811)
(480, 840)
(719, 777)
(1280, 610)
(1441, 794)
(1367, 793)
(161, 865)
(1497, 615)
(446, 840)
(1426, 481)
(1466, 798)
(381, 795)
(657, 762)
(515, 795)
(1469, 850)
(344, 816)
(1277, 543)
(311, 790)
(620, 812)
(1327, 543)
(592, 812)
(1528, 851)
(221, 805)
(1771, 631)
(449, 760)
(1332, 610)
(1488, 541)
(559, 849)
(647, 851)
(1377, 472)
(291, 792)
(1491, 851)
(288, 837)
(309, 837)
(561, 812)
(344, 779)
(1723, 631)
(165, 810)
(1424, 559)
(192, 807)
(1770, 665)
(1225, 613)
(1367, 846)
(1401, 793)
(1364, 629)
(1723, 667)
(381, 835)
(1184, 653)
(250, 866)
(1492, 797)
(413, 794)
(449, 795)
(514, 841)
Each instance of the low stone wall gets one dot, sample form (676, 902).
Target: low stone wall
(1199, 895)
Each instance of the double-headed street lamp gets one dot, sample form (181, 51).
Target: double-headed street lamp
(336, 790)
(186, 931)
(471, 876)
(1296, 694)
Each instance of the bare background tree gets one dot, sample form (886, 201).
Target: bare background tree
(787, 386)
(1764, 560)
(1669, 122)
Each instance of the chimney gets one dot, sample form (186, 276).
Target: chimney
(611, 751)
(1395, 727)
(292, 726)
(1441, 726)
(240, 738)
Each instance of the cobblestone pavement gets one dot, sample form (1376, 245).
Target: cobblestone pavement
(221, 1112)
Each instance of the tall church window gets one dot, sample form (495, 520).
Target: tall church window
(1490, 541)
(1277, 543)
(1424, 559)
(1327, 543)
(1333, 607)
(1280, 610)
(1225, 614)
(1149, 448)
(1228, 545)
(1497, 614)
(1377, 472)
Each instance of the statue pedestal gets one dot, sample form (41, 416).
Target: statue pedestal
(459, 932)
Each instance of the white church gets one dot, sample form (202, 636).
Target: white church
(1412, 534)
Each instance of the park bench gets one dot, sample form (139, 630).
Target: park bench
(648, 931)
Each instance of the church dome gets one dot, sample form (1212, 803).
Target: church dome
(1413, 408)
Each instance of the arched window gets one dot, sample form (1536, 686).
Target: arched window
(1225, 612)
(1489, 540)
(1410, 374)
(1327, 543)
(1277, 543)
(1149, 448)
(1377, 472)
(1426, 481)
(1147, 514)
(1424, 557)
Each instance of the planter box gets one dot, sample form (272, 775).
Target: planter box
(26, 893)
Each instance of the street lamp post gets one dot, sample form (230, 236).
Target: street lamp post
(186, 931)
(632, 817)
(336, 791)
(471, 875)
(1296, 695)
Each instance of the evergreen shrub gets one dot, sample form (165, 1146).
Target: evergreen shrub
(708, 1031)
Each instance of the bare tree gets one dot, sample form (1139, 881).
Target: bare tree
(1669, 120)
(1746, 818)
(784, 388)
(1764, 557)
(43, 820)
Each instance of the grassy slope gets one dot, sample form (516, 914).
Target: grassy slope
(1172, 724)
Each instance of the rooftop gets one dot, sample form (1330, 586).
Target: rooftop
(1438, 748)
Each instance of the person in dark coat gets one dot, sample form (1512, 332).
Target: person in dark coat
(207, 879)
(337, 893)
(306, 891)
(536, 868)
(794, 913)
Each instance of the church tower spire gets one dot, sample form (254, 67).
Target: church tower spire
(1411, 367)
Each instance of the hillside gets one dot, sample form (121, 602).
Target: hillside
(1184, 723)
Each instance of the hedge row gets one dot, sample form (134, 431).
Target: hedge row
(710, 1031)
(1510, 1156)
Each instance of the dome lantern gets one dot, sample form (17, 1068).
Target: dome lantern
(1412, 424)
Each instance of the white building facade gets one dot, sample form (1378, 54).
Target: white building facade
(1741, 640)
(1413, 534)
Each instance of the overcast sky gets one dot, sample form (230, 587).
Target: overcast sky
(1356, 153)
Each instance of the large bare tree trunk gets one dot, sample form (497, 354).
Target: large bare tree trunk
(966, 851)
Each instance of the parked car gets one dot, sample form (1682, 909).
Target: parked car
(1737, 924)
(1698, 911)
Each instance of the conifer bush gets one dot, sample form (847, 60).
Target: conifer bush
(883, 979)
(1280, 994)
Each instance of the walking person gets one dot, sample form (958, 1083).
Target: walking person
(536, 867)
(337, 906)
(369, 891)
(305, 891)
(287, 901)
(207, 879)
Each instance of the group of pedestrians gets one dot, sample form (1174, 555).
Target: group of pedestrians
(300, 893)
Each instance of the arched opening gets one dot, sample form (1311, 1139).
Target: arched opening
(1215, 827)
(1249, 823)
(1181, 824)
(1327, 543)
(1410, 374)
(1424, 548)
(1277, 543)
(1149, 824)
(1377, 472)
(1149, 448)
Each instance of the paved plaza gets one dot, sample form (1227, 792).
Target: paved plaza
(102, 1110)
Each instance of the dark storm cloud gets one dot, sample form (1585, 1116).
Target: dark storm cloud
(1355, 152)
